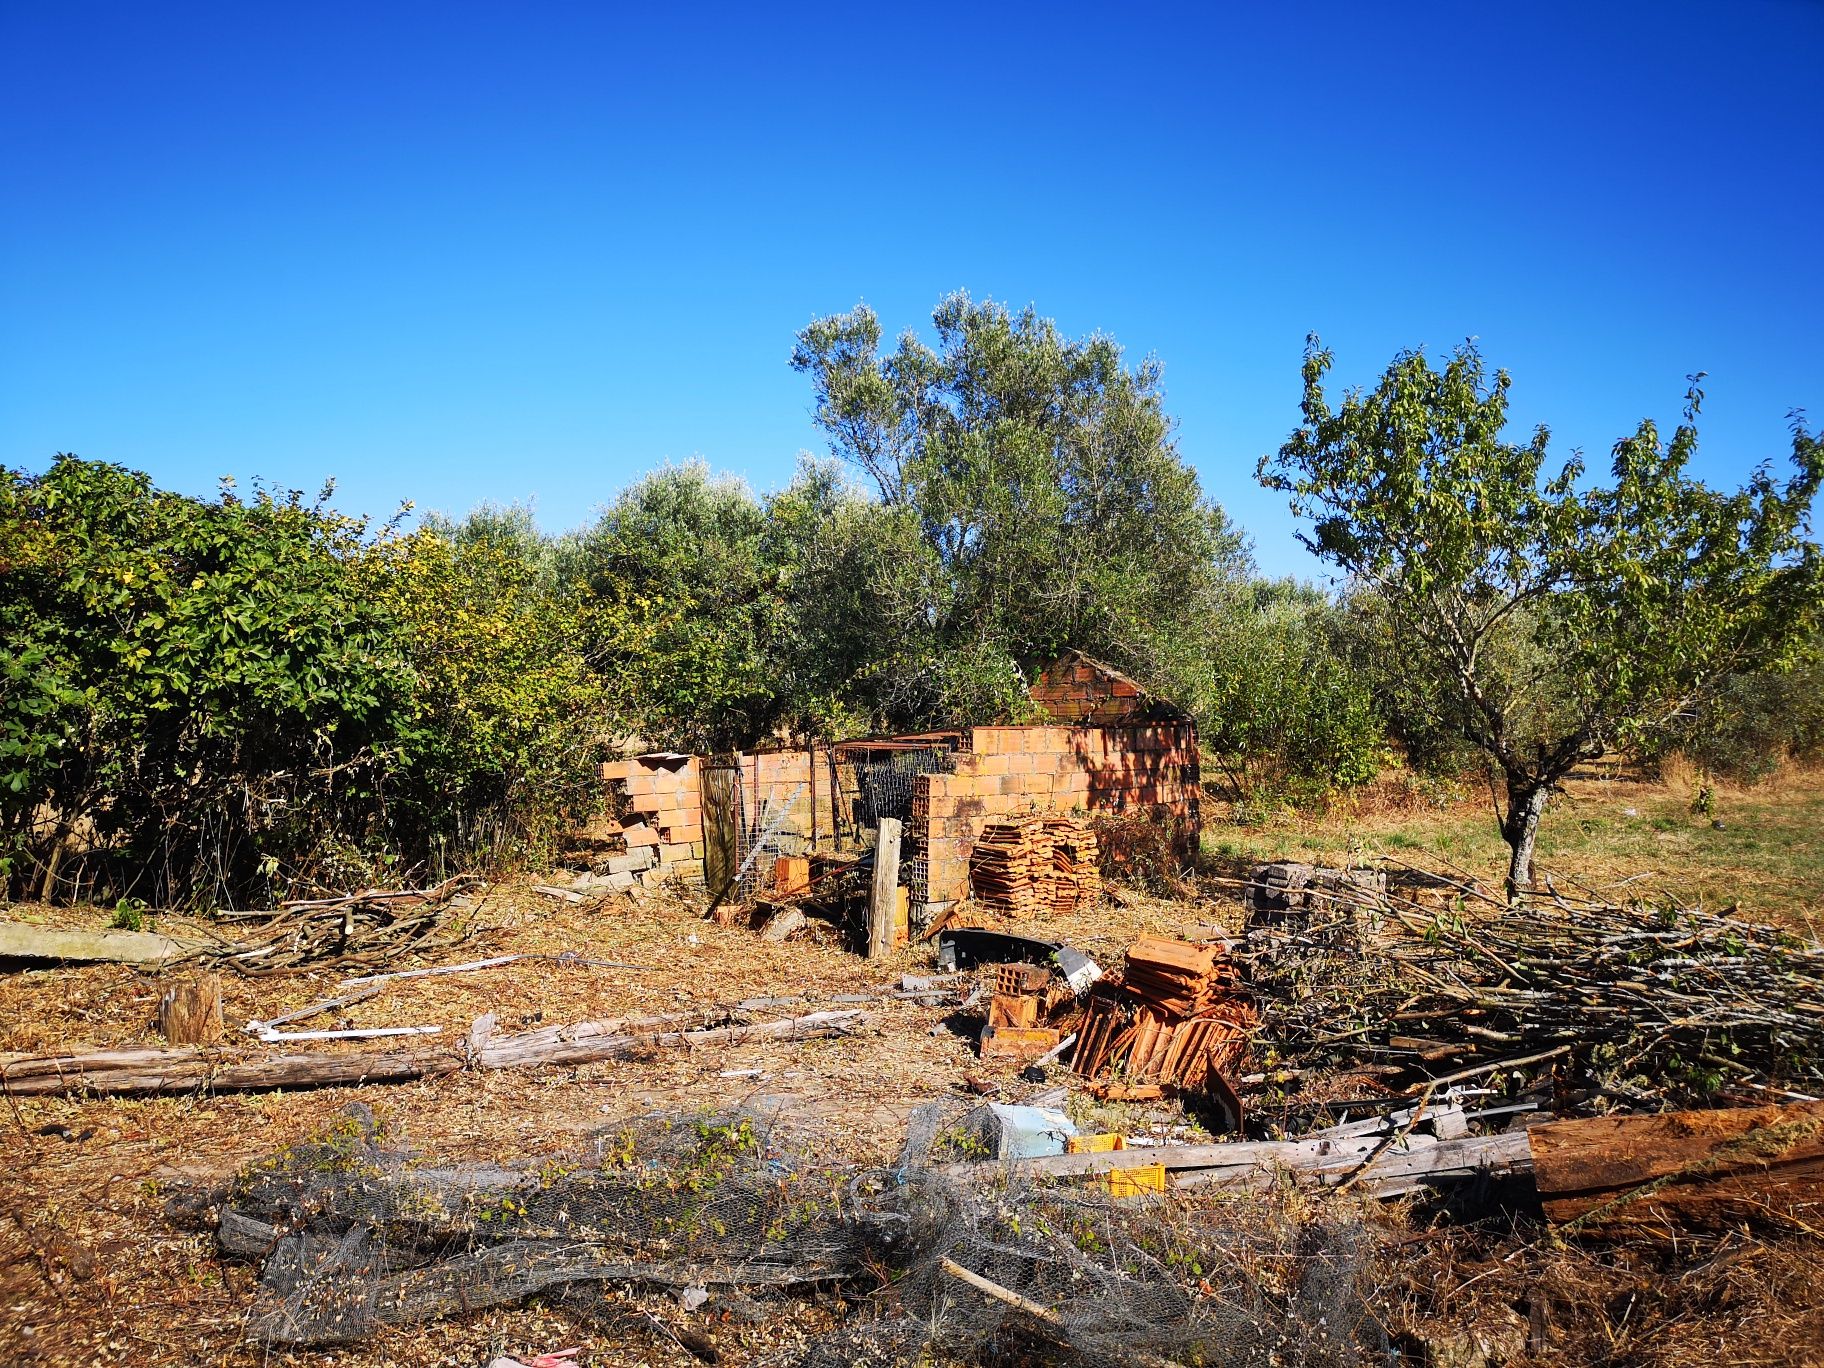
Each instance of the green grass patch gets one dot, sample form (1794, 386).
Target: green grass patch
(1619, 837)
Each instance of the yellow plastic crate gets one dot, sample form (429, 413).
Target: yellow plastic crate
(1095, 1144)
(1135, 1181)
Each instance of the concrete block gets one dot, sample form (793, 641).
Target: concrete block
(641, 857)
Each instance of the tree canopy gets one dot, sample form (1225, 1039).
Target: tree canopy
(1561, 618)
(1045, 479)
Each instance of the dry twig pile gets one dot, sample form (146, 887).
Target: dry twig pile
(364, 930)
(1652, 1002)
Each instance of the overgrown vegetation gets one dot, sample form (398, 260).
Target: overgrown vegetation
(218, 701)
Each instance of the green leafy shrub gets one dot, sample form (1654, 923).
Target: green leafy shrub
(214, 701)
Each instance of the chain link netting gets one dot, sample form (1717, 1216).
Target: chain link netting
(354, 1234)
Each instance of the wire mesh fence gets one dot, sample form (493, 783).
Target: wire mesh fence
(354, 1234)
(869, 781)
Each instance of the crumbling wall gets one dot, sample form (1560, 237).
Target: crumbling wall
(1075, 688)
(662, 798)
(1149, 767)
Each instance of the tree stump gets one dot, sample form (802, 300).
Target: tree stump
(191, 1013)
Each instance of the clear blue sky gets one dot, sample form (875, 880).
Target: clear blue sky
(456, 252)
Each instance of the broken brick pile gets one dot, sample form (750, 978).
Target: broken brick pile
(1174, 1016)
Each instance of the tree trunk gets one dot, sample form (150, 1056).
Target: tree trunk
(1520, 829)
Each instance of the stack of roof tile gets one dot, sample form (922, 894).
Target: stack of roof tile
(1010, 866)
(1176, 976)
(1076, 875)
(1037, 864)
(1176, 1014)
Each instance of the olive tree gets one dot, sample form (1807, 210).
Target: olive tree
(1044, 478)
(1562, 618)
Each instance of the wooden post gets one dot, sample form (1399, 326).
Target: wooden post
(810, 764)
(886, 879)
(191, 1013)
(721, 821)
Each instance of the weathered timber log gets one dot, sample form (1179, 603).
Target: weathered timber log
(1691, 1169)
(190, 1013)
(19, 941)
(782, 924)
(579, 1044)
(146, 1072)
(1383, 1166)
(143, 1072)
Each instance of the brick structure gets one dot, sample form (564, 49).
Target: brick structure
(1079, 688)
(662, 807)
(1149, 767)
(1110, 747)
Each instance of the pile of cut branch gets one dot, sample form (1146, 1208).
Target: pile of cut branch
(364, 930)
(1652, 1003)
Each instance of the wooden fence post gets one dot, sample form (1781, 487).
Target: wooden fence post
(885, 898)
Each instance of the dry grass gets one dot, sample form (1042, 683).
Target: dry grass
(93, 1271)
(1738, 1300)
(1613, 829)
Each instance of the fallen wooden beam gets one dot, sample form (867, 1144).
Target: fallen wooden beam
(144, 1072)
(20, 941)
(1694, 1169)
(141, 1073)
(583, 1043)
(1380, 1165)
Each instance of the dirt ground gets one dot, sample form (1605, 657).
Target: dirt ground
(94, 1271)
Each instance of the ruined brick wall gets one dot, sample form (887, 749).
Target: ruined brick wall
(663, 798)
(1149, 767)
(1075, 688)
(664, 802)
